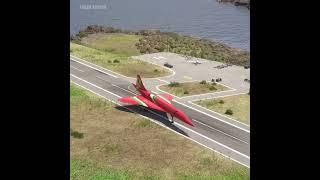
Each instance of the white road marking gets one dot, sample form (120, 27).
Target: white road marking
(217, 97)
(124, 89)
(214, 141)
(220, 131)
(101, 78)
(225, 85)
(187, 77)
(202, 135)
(159, 57)
(163, 81)
(162, 125)
(213, 117)
(96, 86)
(95, 68)
(204, 94)
(76, 68)
(185, 81)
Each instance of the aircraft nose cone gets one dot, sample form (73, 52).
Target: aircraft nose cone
(189, 122)
(180, 115)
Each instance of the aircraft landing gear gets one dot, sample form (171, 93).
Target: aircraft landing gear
(171, 120)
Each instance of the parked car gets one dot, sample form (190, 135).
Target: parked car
(218, 79)
(247, 66)
(168, 65)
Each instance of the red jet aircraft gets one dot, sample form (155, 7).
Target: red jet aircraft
(161, 102)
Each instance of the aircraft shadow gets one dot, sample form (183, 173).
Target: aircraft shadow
(152, 116)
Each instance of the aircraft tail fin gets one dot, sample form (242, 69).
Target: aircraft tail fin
(139, 85)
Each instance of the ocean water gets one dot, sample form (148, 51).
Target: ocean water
(200, 18)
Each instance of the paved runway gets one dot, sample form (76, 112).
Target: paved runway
(208, 131)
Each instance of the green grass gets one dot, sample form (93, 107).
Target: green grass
(192, 88)
(174, 84)
(126, 65)
(118, 43)
(82, 169)
(238, 104)
(121, 145)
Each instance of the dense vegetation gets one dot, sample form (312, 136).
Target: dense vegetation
(153, 41)
(192, 88)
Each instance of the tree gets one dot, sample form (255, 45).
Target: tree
(203, 82)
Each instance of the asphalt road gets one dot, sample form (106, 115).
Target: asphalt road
(208, 131)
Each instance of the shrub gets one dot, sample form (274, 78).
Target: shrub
(82, 34)
(109, 61)
(156, 70)
(116, 61)
(143, 50)
(76, 134)
(186, 92)
(229, 112)
(174, 84)
(203, 82)
(212, 88)
(221, 101)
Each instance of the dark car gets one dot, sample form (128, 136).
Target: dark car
(247, 66)
(168, 65)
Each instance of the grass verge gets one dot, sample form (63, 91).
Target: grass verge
(121, 145)
(119, 63)
(113, 42)
(238, 104)
(192, 88)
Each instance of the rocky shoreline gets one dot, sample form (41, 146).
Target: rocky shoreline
(237, 2)
(153, 41)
